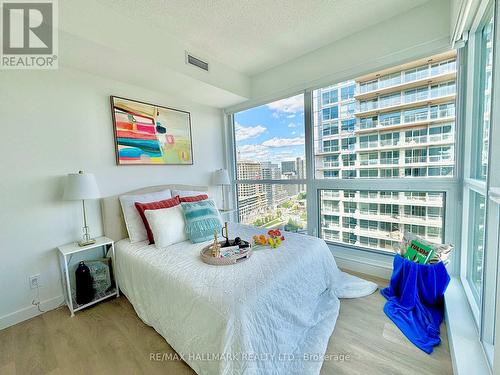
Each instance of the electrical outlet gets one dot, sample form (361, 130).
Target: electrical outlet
(34, 281)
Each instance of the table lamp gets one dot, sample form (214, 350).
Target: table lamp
(221, 177)
(81, 186)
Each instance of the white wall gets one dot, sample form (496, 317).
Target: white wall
(54, 123)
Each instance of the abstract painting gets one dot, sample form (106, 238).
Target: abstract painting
(150, 134)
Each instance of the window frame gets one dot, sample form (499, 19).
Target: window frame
(449, 186)
(471, 183)
(483, 312)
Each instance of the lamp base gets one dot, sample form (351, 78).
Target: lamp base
(86, 239)
(86, 242)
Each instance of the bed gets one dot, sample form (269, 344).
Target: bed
(271, 314)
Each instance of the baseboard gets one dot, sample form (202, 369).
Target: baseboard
(29, 312)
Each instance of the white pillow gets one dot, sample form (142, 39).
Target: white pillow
(187, 193)
(167, 225)
(135, 226)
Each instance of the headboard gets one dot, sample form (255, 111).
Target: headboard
(112, 215)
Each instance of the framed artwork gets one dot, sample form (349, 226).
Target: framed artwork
(148, 134)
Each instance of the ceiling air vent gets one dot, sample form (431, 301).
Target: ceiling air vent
(191, 60)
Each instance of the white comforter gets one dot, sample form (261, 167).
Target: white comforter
(271, 314)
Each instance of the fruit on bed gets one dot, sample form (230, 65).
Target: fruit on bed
(274, 240)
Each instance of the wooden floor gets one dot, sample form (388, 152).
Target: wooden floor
(110, 339)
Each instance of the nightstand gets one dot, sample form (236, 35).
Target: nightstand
(67, 252)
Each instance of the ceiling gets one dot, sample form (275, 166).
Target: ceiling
(252, 36)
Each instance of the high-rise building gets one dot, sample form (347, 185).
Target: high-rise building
(301, 172)
(252, 198)
(396, 123)
(288, 166)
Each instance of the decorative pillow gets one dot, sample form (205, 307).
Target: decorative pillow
(135, 226)
(167, 225)
(141, 207)
(202, 218)
(186, 193)
(194, 198)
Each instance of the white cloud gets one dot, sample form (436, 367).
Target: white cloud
(291, 105)
(251, 148)
(291, 116)
(284, 142)
(293, 133)
(292, 125)
(247, 132)
(254, 152)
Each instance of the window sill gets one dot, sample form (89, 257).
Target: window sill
(466, 351)
(361, 260)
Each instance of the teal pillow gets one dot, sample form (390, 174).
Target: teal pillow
(202, 219)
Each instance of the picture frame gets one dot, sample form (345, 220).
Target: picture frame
(150, 134)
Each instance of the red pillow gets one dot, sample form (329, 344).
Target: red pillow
(141, 207)
(194, 198)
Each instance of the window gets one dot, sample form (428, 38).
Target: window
(389, 173)
(368, 158)
(416, 155)
(331, 145)
(330, 113)
(331, 128)
(390, 80)
(481, 210)
(331, 174)
(389, 139)
(442, 110)
(369, 209)
(416, 136)
(348, 92)
(389, 100)
(349, 174)
(367, 105)
(270, 146)
(368, 173)
(389, 157)
(348, 125)
(348, 143)
(481, 167)
(349, 160)
(418, 73)
(368, 141)
(388, 119)
(329, 97)
(368, 122)
(354, 137)
(439, 154)
(476, 246)
(441, 133)
(331, 161)
(415, 115)
(418, 94)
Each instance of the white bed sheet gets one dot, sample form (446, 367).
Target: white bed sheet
(262, 316)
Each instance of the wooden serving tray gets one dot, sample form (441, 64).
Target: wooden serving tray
(206, 255)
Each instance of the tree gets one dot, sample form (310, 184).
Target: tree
(292, 226)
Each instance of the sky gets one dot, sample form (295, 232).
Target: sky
(272, 132)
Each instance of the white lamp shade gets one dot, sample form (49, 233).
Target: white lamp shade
(81, 186)
(221, 177)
